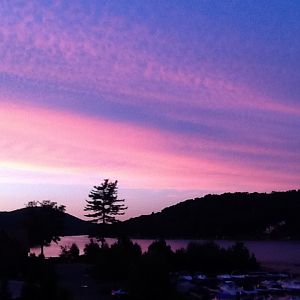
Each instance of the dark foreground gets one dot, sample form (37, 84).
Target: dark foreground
(123, 271)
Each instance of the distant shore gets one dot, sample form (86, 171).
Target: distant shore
(292, 268)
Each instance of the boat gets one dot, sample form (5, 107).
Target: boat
(273, 287)
(224, 277)
(291, 285)
(119, 293)
(185, 277)
(228, 289)
(200, 276)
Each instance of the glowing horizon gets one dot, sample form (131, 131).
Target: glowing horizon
(174, 100)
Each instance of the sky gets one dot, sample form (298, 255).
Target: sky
(174, 99)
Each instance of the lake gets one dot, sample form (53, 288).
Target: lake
(279, 255)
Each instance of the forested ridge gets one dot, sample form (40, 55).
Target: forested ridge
(229, 215)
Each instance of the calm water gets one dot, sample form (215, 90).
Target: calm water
(280, 254)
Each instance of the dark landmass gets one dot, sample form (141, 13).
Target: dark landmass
(227, 216)
(71, 225)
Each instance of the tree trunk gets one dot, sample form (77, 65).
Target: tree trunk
(42, 250)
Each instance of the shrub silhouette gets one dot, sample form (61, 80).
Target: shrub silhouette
(69, 253)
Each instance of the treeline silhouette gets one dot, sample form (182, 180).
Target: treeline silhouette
(122, 265)
(230, 215)
(147, 275)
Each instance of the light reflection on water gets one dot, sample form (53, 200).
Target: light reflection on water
(275, 252)
(279, 255)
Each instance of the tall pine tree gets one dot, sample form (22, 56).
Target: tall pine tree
(104, 203)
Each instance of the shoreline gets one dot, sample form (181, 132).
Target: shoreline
(284, 267)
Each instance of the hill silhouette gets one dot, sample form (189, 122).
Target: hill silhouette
(71, 225)
(227, 216)
(230, 215)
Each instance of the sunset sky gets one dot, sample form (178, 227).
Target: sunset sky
(175, 99)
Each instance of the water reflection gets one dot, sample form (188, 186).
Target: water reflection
(283, 255)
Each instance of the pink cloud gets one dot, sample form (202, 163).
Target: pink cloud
(109, 57)
(47, 145)
(245, 139)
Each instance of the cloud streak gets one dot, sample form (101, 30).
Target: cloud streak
(170, 96)
(108, 53)
(45, 141)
